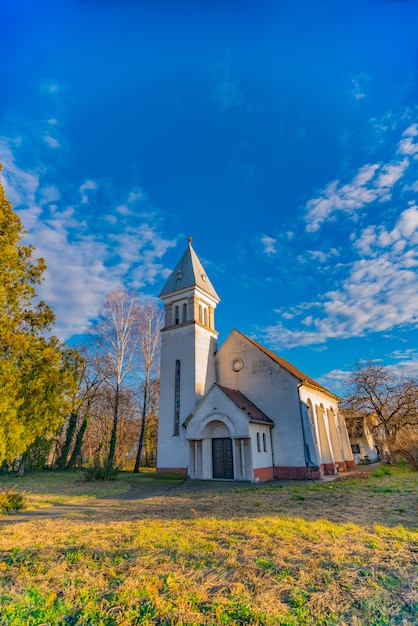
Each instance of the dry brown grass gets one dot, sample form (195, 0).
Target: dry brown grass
(334, 553)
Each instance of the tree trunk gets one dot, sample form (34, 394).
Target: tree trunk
(21, 470)
(142, 434)
(69, 435)
(112, 448)
(76, 453)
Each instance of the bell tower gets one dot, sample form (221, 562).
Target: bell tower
(188, 349)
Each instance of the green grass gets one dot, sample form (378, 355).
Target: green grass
(340, 553)
(50, 487)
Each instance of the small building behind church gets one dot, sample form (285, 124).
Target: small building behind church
(240, 411)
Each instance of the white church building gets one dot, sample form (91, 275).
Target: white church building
(238, 411)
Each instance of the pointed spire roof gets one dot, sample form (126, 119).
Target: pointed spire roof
(189, 272)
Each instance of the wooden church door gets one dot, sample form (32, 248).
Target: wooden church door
(222, 461)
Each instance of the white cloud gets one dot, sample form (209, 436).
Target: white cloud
(336, 380)
(374, 182)
(409, 147)
(319, 255)
(83, 265)
(374, 238)
(379, 293)
(20, 185)
(411, 131)
(390, 174)
(359, 85)
(88, 185)
(51, 141)
(269, 245)
(48, 194)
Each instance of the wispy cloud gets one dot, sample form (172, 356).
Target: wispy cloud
(319, 255)
(268, 245)
(359, 86)
(52, 142)
(373, 182)
(83, 262)
(88, 185)
(380, 291)
(20, 185)
(225, 86)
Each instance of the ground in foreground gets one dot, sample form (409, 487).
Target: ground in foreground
(326, 553)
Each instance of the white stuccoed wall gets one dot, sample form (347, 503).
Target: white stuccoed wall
(195, 347)
(333, 427)
(272, 389)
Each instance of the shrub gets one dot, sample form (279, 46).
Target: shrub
(12, 501)
(100, 472)
(381, 471)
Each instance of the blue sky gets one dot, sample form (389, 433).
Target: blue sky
(281, 135)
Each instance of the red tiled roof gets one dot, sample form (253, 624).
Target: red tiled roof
(253, 413)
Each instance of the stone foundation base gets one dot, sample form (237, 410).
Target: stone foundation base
(330, 468)
(290, 473)
(263, 473)
(184, 471)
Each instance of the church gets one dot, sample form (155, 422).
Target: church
(238, 411)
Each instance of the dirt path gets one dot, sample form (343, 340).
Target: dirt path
(151, 488)
(147, 488)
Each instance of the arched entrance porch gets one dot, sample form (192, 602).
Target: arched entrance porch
(219, 454)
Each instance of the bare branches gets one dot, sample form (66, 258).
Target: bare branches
(386, 402)
(126, 340)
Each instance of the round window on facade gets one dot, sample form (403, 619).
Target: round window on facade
(237, 365)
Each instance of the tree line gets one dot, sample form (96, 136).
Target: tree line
(97, 405)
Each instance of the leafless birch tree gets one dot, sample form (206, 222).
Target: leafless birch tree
(116, 335)
(150, 319)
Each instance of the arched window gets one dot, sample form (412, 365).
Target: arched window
(184, 313)
(176, 432)
(176, 315)
(205, 316)
(264, 443)
(200, 314)
(258, 443)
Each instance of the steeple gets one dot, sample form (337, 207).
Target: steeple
(187, 274)
(188, 295)
(188, 349)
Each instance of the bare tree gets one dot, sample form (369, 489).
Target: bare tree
(116, 335)
(151, 427)
(406, 445)
(84, 393)
(150, 320)
(388, 403)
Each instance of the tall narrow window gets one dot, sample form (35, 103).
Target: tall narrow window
(184, 313)
(258, 443)
(176, 315)
(200, 313)
(312, 419)
(264, 443)
(176, 432)
(205, 316)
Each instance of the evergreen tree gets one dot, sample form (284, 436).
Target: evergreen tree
(37, 372)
